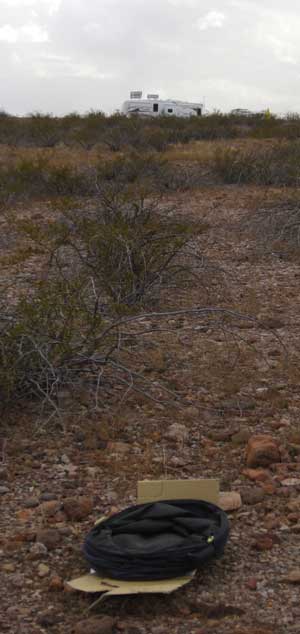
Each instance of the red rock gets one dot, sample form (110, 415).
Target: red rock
(257, 475)
(251, 583)
(78, 508)
(265, 542)
(294, 505)
(24, 515)
(269, 488)
(50, 537)
(262, 451)
(271, 522)
(95, 626)
(56, 584)
(25, 536)
(48, 509)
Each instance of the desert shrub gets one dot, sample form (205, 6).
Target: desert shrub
(131, 246)
(99, 267)
(42, 130)
(152, 171)
(38, 177)
(87, 130)
(144, 168)
(277, 165)
(276, 226)
(45, 338)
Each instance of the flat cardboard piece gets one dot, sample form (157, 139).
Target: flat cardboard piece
(154, 490)
(92, 583)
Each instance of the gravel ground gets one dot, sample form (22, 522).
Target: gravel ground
(54, 483)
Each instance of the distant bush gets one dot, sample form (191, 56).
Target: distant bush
(276, 165)
(29, 178)
(118, 132)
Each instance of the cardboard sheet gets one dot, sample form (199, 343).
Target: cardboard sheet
(92, 583)
(154, 490)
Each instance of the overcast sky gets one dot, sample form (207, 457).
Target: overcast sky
(64, 55)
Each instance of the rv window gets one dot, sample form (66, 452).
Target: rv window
(199, 112)
(170, 109)
(155, 107)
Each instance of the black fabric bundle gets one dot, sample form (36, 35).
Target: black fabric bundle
(160, 540)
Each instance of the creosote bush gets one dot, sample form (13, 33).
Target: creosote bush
(278, 165)
(100, 265)
(130, 245)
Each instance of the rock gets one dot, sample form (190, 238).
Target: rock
(291, 482)
(103, 431)
(257, 475)
(269, 488)
(296, 528)
(31, 503)
(119, 447)
(251, 583)
(241, 405)
(263, 543)
(43, 570)
(65, 459)
(24, 515)
(4, 490)
(48, 619)
(241, 437)
(56, 584)
(272, 322)
(262, 451)
(230, 501)
(9, 567)
(220, 436)
(47, 497)
(294, 505)
(176, 461)
(102, 625)
(177, 432)
(191, 412)
(78, 508)
(48, 537)
(3, 473)
(24, 536)
(92, 472)
(17, 580)
(252, 495)
(293, 577)
(37, 551)
(48, 509)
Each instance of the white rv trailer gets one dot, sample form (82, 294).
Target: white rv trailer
(153, 106)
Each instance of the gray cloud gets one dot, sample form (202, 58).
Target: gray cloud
(61, 55)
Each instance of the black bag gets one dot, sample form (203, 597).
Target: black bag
(160, 540)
